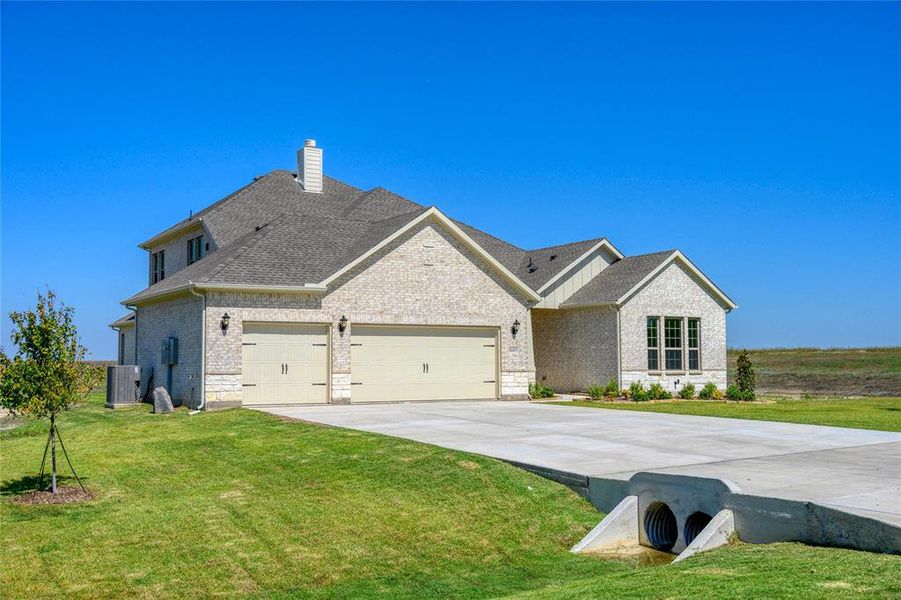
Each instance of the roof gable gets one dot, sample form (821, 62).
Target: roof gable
(624, 278)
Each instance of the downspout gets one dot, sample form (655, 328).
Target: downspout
(202, 350)
(134, 308)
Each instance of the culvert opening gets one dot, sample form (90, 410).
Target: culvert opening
(660, 526)
(694, 524)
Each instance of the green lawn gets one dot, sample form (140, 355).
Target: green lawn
(238, 503)
(839, 371)
(863, 413)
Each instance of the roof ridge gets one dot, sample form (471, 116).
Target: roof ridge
(598, 239)
(646, 254)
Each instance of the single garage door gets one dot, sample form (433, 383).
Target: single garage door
(285, 363)
(395, 363)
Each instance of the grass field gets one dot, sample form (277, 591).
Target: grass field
(238, 503)
(838, 372)
(863, 413)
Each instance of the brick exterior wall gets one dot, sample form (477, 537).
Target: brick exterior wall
(673, 293)
(575, 348)
(126, 345)
(176, 250)
(427, 277)
(180, 318)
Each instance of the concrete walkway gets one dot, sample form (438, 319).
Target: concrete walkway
(852, 469)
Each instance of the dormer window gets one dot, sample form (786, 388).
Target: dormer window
(157, 266)
(195, 249)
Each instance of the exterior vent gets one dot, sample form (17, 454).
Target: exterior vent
(309, 167)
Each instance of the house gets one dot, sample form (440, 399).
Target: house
(298, 288)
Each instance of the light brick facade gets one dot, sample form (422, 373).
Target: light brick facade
(176, 250)
(673, 293)
(427, 277)
(126, 345)
(179, 318)
(575, 348)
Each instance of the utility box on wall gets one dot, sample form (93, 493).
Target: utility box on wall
(169, 351)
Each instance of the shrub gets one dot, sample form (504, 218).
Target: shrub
(596, 392)
(718, 395)
(746, 379)
(687, 392)
(612, 389)
(733, 393)
(637, 392)
(656, 392)
(626, 393)
(708, 391)
(539, 390)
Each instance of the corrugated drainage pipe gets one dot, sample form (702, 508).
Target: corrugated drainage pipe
(660, 526)
(695, 524)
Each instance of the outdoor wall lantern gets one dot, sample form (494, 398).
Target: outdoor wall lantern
(223, 324)
(515, 329)
(342, 323)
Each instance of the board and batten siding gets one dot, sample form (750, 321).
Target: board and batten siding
(580, 274)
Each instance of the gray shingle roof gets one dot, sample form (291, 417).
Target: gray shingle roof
(291, 250)
(617, 279)
(126, 319)
(305, 237)
(537, 267)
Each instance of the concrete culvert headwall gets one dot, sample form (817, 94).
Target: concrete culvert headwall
(695, 524)
(660, 526)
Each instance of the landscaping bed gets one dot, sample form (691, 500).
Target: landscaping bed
(863, 413)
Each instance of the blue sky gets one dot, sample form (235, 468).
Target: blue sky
(763, 140)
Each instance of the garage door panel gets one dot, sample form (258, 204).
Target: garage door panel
(285, 363)
(400, 363)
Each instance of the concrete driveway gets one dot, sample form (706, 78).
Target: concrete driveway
(853, 469)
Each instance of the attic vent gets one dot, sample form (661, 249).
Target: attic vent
(553, 256)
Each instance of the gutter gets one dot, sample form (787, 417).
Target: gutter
(229, 287)
(202, 353)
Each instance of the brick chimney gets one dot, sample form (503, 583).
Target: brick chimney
(309, 167)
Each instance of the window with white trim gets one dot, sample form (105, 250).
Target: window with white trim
(195, 249)
(653, 344)
(157, 266)
(672, 341)
(694, 344)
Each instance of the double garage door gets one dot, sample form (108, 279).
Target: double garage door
(287, 363)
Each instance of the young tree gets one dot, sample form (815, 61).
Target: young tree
(47, 374)
(746, 378)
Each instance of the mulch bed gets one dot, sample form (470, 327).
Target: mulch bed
(64, 495)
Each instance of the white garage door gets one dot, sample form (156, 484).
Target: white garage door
(396, 363)
(285, 363)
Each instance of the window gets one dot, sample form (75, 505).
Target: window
(195, 249)
(694, 344)
(157, 266)
(121, 348)
(653, 344)
(672, 339)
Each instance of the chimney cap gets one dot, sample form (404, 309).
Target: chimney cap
(309, 143)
